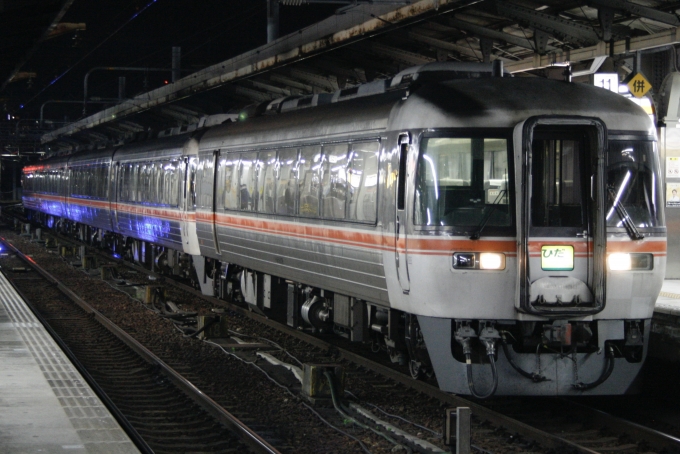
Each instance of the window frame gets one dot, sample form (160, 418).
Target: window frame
(468, 133)
(240, 152)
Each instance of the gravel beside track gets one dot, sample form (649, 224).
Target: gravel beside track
(250, 395)
(280, 413)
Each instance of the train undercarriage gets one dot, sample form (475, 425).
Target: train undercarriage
(473, 343)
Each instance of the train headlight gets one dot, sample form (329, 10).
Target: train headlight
(621, 261)
(491, 261)
(478, 261)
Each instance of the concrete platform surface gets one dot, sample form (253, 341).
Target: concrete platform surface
(45, 404)
(668, 301)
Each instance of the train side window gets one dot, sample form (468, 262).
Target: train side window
(265, 181)
(286, 188)
(144, 189)
(75, 180)
(334, 181)
(27, 182)
(227, 181)
(137, 181)
(363, 181)
(170, 184)
(191, 183)
(309, 181)
(126, 186)
(248, 182)
(102, 181)
(157, 188)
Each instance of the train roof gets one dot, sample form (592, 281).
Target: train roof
(172, 146)
(505, 102)
(487, 102)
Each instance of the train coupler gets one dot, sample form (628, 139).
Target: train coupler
(488, 336)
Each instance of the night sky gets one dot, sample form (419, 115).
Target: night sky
(141, 34)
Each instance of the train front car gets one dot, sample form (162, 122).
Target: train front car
(529, 232)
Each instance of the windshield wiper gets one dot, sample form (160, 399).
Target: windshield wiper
(632, 231)
(485, 219)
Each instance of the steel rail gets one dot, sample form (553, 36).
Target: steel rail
(129, 429)
(247, 435)
(618, 425)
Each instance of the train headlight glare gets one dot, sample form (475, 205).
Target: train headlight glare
(636, 261)
(619, 261)
(491, 261)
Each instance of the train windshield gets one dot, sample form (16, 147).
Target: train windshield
(633, 184)
(463, 182)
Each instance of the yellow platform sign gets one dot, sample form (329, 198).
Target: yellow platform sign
(639, 86)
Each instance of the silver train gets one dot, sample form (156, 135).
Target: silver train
(504, 234)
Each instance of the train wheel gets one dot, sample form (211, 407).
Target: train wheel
(416, 369)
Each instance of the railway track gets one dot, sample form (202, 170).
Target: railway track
(559, 425)
(165, 409)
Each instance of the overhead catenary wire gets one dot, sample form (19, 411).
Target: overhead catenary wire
(108, 37)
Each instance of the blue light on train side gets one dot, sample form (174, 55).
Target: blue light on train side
(152, 229)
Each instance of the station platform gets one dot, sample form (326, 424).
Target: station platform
(668, 301)
(45, 404)
(664, 341)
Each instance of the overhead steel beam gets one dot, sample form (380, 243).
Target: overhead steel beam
(97, 137)
(400, 55)
(66, 27)
(639, 10)
(341, 71)
(291, 82)
(441, 44)
(661, 39)
(185, 116)
(372, 67)
(548, 23)
(301, 72)
(131, 126)
(493, 34)
(296, 47)
(272, 88)
(250, 93)
(64, 7)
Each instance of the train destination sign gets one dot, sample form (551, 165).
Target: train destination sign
(557, 258)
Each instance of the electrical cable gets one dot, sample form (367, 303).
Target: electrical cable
(533, 376)
(606, 373)
(433, 432)
(251, 363)
(264, 339)
(345, 413)
(471, 384)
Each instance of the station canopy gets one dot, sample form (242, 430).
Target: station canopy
(365, 41)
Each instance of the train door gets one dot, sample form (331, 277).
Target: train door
(188, 206)
(562, 232)
(401, 221)
(114, 194)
